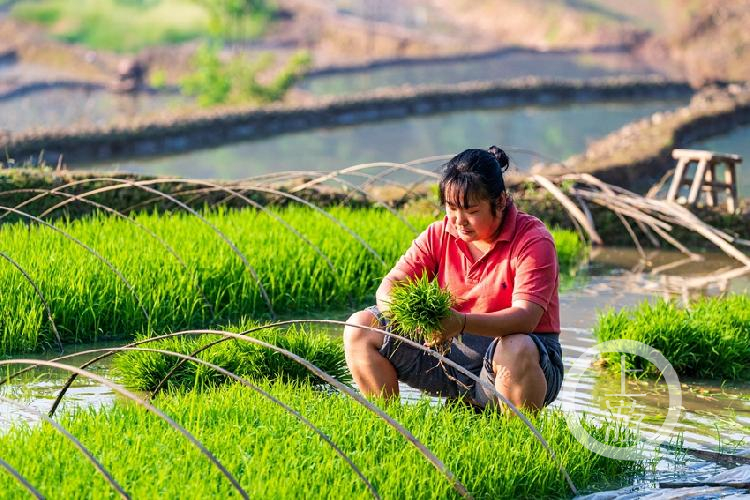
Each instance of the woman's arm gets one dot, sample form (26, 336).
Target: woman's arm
(522, 317)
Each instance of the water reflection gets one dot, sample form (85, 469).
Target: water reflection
(556, 132)
(38, 388)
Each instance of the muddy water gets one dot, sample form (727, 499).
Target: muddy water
(712, 415)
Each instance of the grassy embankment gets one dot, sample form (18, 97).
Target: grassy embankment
(130, 25)
(710, 339)
(274, 456)
(89, 302)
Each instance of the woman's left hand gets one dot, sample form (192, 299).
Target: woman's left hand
(450, 327)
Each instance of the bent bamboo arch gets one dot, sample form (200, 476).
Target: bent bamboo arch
(145, 404)
(68, 436)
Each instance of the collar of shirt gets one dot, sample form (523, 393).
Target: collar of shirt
(507, 229)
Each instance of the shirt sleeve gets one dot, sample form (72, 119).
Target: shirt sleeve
(536, 271)
(421, 257)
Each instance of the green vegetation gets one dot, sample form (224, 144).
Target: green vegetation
(238, 80)
(237, 19)
(118, 25)
(89, 302)
(130, 25)
(143, 370)
(570, 249)
(418, 306)
(709, 339)
(274, 456)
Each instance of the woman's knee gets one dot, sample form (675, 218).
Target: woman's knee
(357, 337)
(517, 350)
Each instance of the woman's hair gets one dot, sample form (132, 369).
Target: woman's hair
(474, 175)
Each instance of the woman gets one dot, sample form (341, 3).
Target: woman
(502, 267)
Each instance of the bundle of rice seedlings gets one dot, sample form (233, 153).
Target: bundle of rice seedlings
(417, 308)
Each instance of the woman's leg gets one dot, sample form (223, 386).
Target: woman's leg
(373, 373)
(518, 375)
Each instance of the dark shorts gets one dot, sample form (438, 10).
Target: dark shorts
(422, 371)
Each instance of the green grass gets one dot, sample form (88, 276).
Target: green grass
(125, 25)
(274, 456)
(90, 303)
(709, 339)
(144, 370)
(570, 249)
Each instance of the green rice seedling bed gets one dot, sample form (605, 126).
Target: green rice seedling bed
(89, 302)
(273, 456)
(710, 339)
(142, 370)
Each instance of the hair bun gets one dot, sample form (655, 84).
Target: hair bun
(501, 157)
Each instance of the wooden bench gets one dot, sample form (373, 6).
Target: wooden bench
(705, 180)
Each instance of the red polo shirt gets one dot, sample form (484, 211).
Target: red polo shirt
(520, 265)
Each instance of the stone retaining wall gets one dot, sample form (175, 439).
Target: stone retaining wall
(392, 62)
(39, 86)
(212, 128)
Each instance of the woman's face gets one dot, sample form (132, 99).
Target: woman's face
(475, 222)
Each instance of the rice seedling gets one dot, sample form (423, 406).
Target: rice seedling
(145, 370)
(270, 454)
(708, 339)
(308, 264)
(417, 308)
(87, 302)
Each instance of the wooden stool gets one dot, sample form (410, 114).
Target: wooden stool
(705, 177)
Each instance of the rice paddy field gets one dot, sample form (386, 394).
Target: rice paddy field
(106, 277)
(250, 418)
(272, 455)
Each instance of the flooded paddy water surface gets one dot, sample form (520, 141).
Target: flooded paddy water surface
(550, 131)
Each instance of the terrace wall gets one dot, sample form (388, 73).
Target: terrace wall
(178, 134)
(639, 153)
